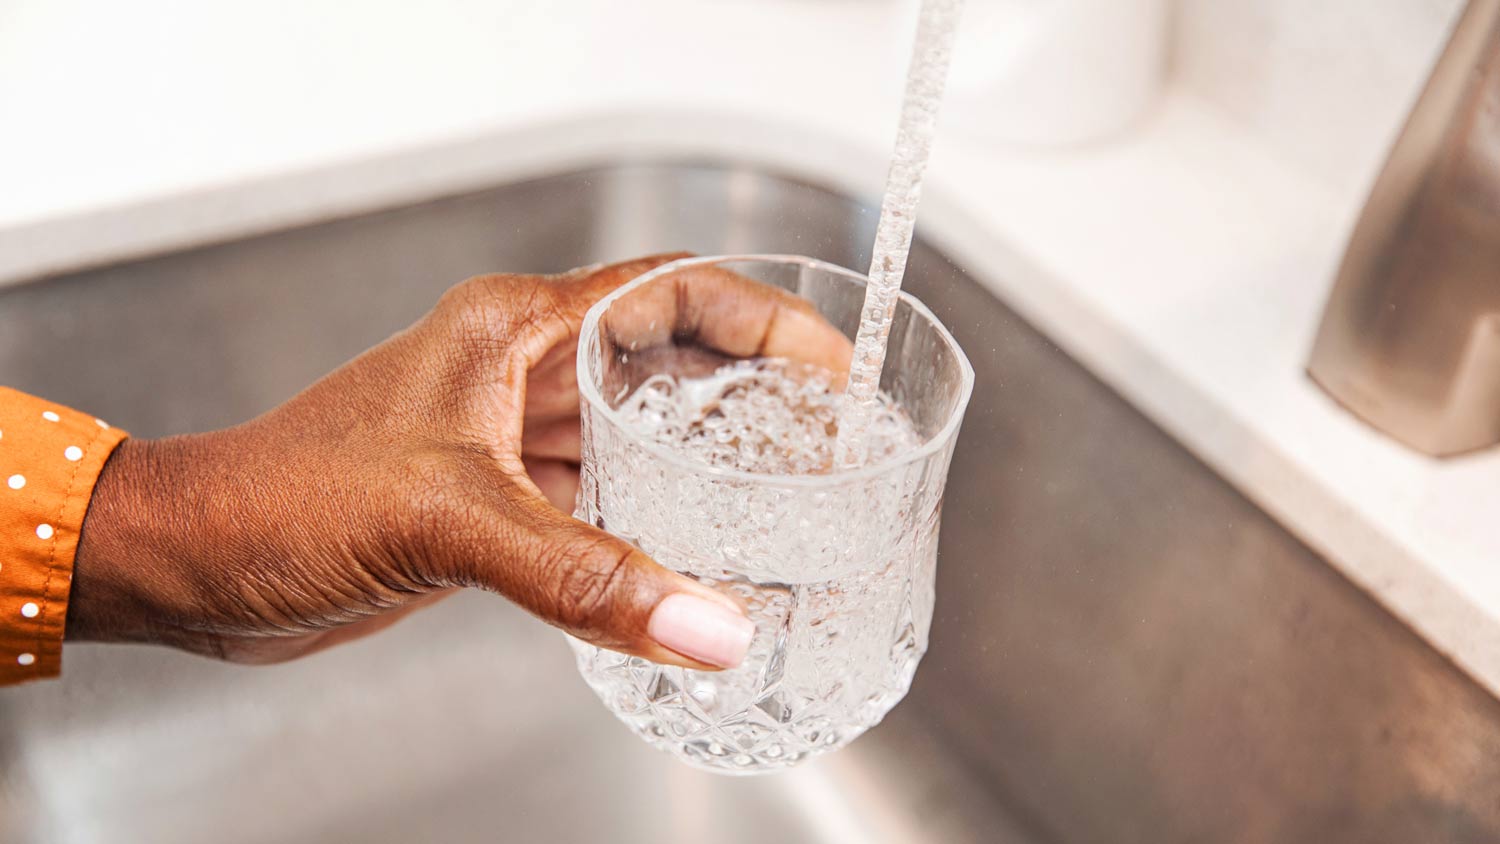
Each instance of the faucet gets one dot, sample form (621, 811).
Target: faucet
(1410, 338)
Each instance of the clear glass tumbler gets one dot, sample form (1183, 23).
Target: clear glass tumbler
(837, 569)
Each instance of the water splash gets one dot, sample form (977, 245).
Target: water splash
(764, 415)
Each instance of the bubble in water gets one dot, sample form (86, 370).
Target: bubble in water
(838, 576)
(766, 415)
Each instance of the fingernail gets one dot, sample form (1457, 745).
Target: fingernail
(701, 629)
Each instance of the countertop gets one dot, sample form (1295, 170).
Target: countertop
(1184, 262)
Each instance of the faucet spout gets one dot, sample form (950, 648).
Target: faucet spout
(1410, 338)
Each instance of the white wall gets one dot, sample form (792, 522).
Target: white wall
(1323, 84)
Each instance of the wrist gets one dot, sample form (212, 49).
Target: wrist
(125, 584)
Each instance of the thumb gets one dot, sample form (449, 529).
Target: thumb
(605, 591)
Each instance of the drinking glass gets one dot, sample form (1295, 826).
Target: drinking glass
(836, 569)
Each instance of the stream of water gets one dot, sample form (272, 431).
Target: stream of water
(936, 29)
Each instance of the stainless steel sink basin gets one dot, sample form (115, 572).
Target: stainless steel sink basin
(1125, 649)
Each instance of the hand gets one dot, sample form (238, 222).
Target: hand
(435, 460)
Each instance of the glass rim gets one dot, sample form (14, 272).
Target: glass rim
(588, 390)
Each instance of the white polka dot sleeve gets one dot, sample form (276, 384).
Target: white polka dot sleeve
(50, 457)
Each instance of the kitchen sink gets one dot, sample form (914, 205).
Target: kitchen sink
(1125, 649)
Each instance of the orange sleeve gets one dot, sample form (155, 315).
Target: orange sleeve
(50, 457)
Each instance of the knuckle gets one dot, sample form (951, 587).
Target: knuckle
(590, 578)
(472, 308)
(491, 311)
(545, 314)
(474, 291)
(458, 302)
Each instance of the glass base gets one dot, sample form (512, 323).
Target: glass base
(699, 718)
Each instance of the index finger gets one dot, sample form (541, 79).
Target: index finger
(727, 313)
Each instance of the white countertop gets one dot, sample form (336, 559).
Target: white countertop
(1184, 263)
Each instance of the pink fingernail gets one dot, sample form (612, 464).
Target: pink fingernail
(701, 629)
